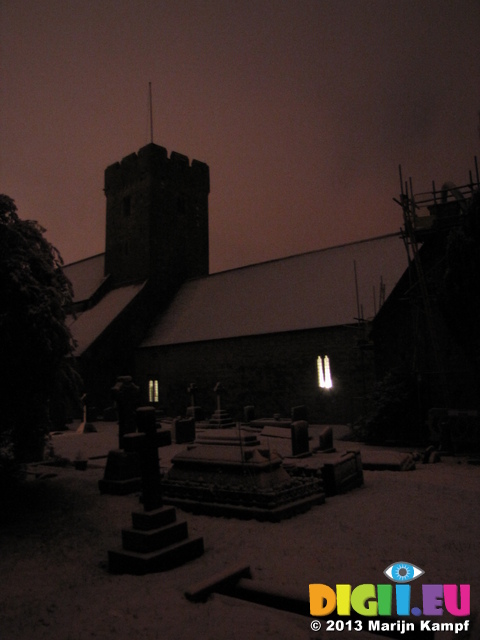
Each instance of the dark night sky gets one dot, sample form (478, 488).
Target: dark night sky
(302, 108)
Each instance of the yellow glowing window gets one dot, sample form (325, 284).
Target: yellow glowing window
(324, 374)
(153, 390)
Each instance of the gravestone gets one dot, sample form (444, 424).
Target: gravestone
(156, 541)
(194, 411)
(145, 444)
(220, 419)
(86, 425)
(183, 430)
(126, 395)
(342, 472)
(122, 471)
(300, 439)
(325, 440)
(248, 414)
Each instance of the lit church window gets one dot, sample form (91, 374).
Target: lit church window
(153, 390)
(324, 374)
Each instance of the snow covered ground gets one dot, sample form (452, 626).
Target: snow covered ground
(55, 536)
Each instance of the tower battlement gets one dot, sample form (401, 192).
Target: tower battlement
(153, 161)
(157, 218)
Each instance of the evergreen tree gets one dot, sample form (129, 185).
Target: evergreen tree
(35, 343)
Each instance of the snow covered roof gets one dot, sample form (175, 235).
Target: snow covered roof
(86, 276)
(90, 324)
(306, 291)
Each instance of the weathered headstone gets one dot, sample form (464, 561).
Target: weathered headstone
(300, 439)
(325, 440)
(342, 472)
(248, 413)
(184, 430)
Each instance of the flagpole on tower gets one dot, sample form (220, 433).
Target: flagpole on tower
(151, 114)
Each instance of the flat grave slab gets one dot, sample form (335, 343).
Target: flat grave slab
(235, 437)
(386, 460)
(277, 432)
(259, 423)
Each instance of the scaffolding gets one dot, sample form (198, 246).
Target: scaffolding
(425, 215)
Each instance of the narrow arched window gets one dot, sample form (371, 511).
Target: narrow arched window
(153, 390)
(324, 372)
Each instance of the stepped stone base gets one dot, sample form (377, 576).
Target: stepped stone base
(156, 542)
(148, 541)
(249, 512)
(173, 556)
(148, 520)
(221, 420)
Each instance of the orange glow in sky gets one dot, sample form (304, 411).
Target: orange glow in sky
(302, 110)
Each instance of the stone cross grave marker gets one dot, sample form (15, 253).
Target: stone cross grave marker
(156, 541)
(194, 411)
(126, 394)
(220, 418)
(146, 443)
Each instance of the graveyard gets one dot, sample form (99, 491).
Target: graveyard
(252, 241)
(61, 535)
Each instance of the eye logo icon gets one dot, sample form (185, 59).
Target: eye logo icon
(402, 572)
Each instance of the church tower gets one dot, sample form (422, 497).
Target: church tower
(157, 219)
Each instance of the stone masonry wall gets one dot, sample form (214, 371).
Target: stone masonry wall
(272, 372)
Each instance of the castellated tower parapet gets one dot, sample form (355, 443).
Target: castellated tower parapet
(157, 219)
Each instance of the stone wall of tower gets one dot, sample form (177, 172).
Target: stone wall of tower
(157, 219)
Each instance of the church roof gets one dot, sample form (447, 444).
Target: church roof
(86, 276)
(311, 290)
(90, 324)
